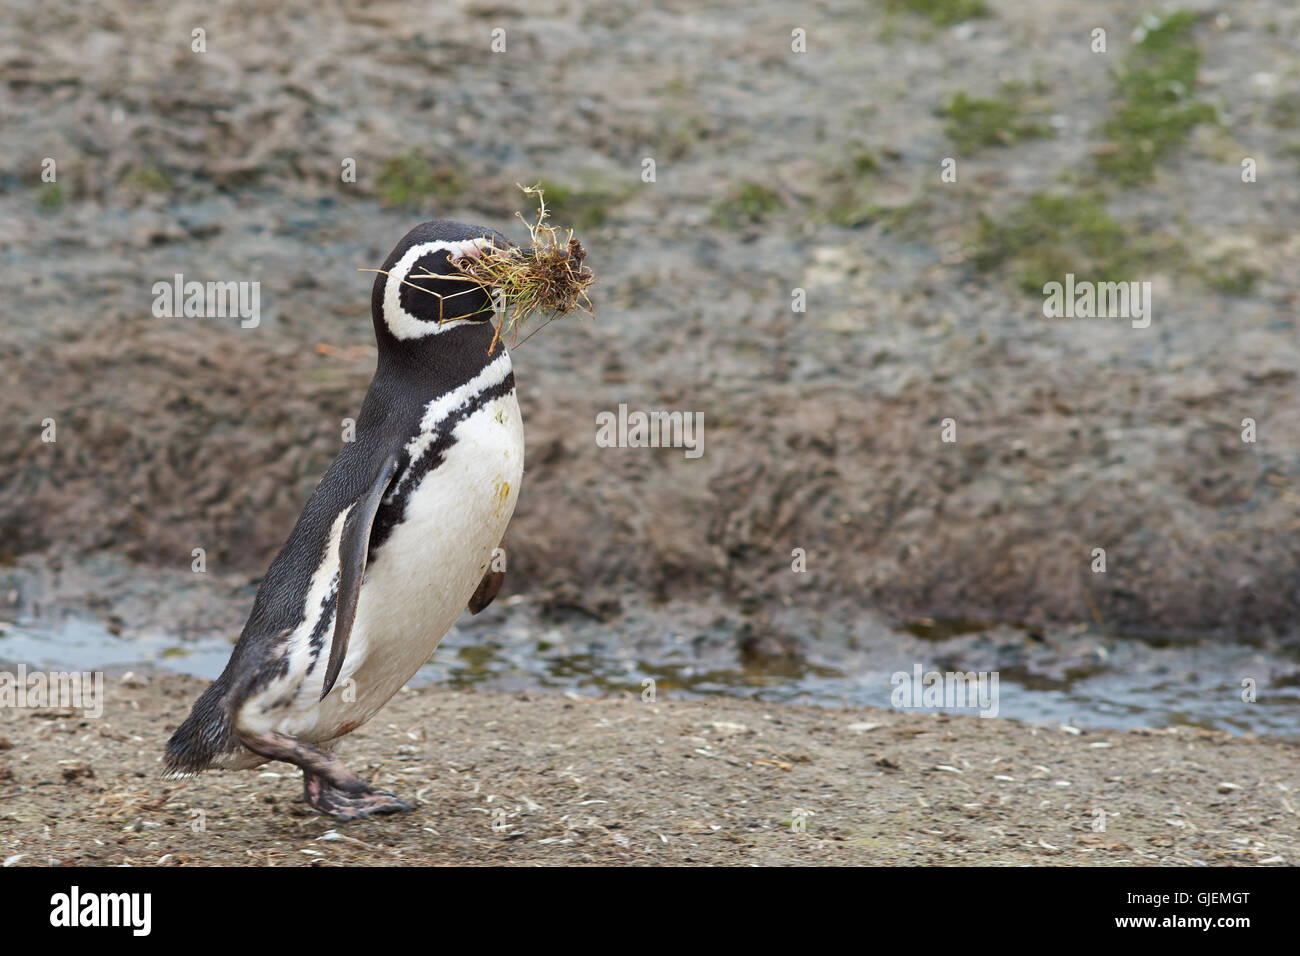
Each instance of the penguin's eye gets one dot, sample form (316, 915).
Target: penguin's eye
(433, 291)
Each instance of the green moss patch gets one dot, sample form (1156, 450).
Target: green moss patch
(1156, 110)
(587, 206)
(975, 122)
(943, 13)
(748, 204)
(1052, 234)
(847, 190)
(51, 197)
(1239, 281)
(147, 179)
(411, 180)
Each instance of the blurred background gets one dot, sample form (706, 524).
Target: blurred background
(794, 147)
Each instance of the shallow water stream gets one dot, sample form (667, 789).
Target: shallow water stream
(1077, 679)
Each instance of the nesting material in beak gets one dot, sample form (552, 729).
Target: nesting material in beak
(550, 277)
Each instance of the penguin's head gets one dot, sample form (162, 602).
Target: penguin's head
(418, 294)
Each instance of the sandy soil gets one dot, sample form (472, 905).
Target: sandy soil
(544, 780)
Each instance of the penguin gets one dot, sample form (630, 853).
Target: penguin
(397, 538)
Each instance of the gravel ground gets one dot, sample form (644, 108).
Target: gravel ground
(546, 780)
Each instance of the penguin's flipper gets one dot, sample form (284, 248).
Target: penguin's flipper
(354, 546)
(486, 591)
(487, 588)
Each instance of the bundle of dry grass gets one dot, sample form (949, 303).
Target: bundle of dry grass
(551, 277)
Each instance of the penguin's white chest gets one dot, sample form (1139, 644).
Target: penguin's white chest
(421, 578)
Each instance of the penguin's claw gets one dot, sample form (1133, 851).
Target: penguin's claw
(327, 785)
(345, 805)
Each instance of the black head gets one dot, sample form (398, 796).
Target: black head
(410, 304)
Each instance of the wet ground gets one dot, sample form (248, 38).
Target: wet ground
(1076, 677)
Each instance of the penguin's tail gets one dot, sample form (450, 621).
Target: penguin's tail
(203, 736)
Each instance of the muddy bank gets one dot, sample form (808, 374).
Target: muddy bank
(823, 428)
(574, 781)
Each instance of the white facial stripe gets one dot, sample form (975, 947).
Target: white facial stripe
(403, 324)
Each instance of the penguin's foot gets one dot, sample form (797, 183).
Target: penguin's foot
(349, 805)
(328, 786)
